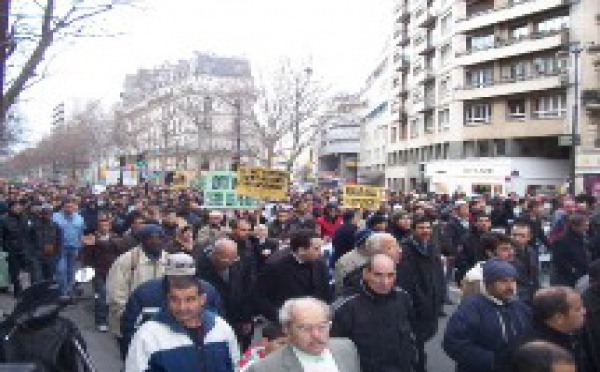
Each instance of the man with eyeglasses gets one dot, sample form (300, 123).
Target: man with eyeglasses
(212, 231)
(378, 319)
(232, 278)
(307, 321)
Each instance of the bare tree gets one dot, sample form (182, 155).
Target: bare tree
(286, 113)
(37, 28)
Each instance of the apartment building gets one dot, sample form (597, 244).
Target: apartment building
(484, 89)
(376, 116)
(193, 114)
(337, 143)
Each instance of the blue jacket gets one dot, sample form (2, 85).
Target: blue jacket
(164, 345)
(480, 333)
(72, 229)
(149, 297)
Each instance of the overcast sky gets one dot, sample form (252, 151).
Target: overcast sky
(343, 37)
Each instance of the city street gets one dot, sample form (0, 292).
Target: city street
(103, 349)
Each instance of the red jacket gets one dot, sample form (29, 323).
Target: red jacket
(327, 227)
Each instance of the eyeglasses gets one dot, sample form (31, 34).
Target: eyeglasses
(309, 328)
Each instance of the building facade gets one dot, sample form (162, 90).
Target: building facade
(337, 142)
(376, 117)
(487, 87)
(195, 114)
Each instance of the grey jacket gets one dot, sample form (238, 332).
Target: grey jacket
(284, 360)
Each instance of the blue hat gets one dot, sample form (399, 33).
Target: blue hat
(495, 269)
(360, 237)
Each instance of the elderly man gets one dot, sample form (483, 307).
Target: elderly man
(214, 230)
(378, 319)
(183, 337)
(262, 245)
(232, 278)
(306, 322)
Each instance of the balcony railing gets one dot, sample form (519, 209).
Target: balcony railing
(500, 43)
(508, 5)
(590, 99)
(515, 79)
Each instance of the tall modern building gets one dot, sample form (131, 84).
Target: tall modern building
(190, 115)
(337, 143)
(485, 94)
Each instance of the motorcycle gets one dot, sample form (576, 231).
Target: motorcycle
(36, 338)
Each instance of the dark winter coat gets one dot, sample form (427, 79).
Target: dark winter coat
(421, 275)
(343, 240)
(45, 237)
(380, 327)
(284, 277)
(591, 331)
(570, 258)
(103, 254)
(480, 333)
(16, 234)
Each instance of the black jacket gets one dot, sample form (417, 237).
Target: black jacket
(236, 292)
(591, 330)
(343, 240)
(45, 233)
(262, 251)
(284, 277)
(570, 258)
(569, 342)
(380, 327)
(471, 252)
(453, 236)
(421, 275)
(16, 234)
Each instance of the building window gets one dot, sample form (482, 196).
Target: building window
(443, 120)
(550, 106)
(479, 78)
(475, 43)
(519, 70)
(446, 25)
(519, 32)
(552, 24)
(500, 147)
(428, 123)
(445, 52)
(516, 109)
(478, 113)
(550, 65)
(394, 134)
(445, 87)
(483, 149)
(414, 128)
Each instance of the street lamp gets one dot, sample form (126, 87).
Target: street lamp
(575, 49)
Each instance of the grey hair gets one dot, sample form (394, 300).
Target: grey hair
(285, 313)
(373, 242)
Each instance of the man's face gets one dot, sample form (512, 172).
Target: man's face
(381, 226)
(104, 226)
(186, 305)
(261, 232)
(214, 219)
(404, 223)
(17, 208)
(380, 276)
(505, 251)
(153, 242)
(389, 246)
(225, 257)
(582, 228)
(502, 289)
(313, 252)
(463, 211)
(69, 208)
(483, 224)
(242, 230)
(282, 216)
(423, 231)
(574, 318)
(309, 330)
(521, 236)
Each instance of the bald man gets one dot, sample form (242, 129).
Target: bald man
(232, 278)
(378, 319)
(214, 230)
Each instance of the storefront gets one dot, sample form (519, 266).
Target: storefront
(496, 176)
(588, 172)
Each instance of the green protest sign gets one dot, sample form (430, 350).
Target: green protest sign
(219, 192)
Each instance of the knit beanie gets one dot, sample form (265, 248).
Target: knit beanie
(495, 269)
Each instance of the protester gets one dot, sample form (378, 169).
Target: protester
(378, 320)
(273, 338)
(480, 334)
(343, 238)
(262, 246)
(306, 322)
(71, 225)
(591, 331)
(46, 241)
(570, 253)
(540, 356)
(330, 221)
(297, 272)
(526, 261)
(171, 341)
(212, 231)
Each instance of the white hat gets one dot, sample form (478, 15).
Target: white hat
(180, 264)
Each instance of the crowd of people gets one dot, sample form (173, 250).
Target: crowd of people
(310, 285)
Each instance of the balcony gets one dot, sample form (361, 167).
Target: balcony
(425, 18)
(425, 75)
(590, 99)
(513, 10)
(402, 14)
(424, 105)
(513, 47)
(401, 38)
(402, 65)
(509, 86)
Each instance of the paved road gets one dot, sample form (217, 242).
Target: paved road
(104, 352)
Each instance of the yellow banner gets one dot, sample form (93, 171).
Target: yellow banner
(362, 197)
(262, 183)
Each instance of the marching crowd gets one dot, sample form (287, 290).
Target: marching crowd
(311, 285)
